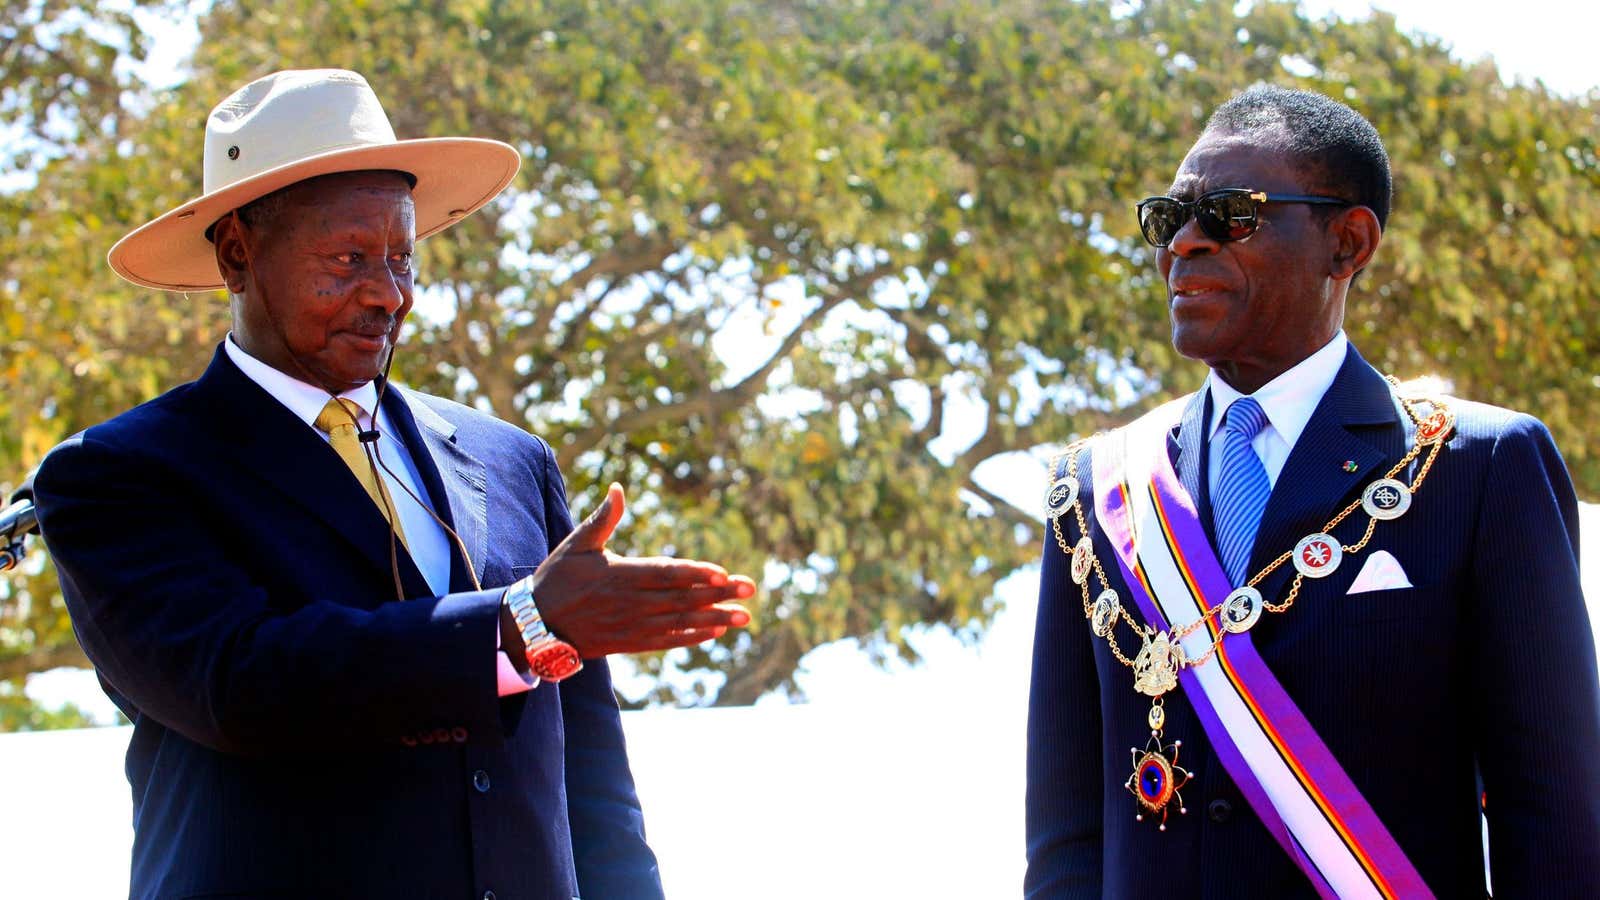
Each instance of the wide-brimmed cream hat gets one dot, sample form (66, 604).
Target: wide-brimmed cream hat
(294, 125)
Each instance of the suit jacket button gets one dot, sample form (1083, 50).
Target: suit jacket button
(480, 780)
(1220, 810)
(458, 734)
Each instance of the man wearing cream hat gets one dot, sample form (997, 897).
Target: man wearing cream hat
(348, 620)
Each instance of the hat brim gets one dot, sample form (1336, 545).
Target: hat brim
(454, 177)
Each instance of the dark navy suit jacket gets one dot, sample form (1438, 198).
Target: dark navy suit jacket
(1480, 676)
(297, 731)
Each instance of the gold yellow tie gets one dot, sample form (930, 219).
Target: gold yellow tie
(338, 420)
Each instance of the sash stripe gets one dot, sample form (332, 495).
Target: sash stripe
(1254, 706)
(1295, 785)
(1156, 616)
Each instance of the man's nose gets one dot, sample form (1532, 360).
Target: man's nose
(1191, 240)
(386, 289)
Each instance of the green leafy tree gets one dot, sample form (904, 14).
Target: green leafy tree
(76, 347)
(792, 271)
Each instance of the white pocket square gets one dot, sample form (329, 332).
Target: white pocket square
(1382, 572)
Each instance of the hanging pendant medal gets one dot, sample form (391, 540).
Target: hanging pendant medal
(1157, 779)
(1155, 669)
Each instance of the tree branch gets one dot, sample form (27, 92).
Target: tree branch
(569, 341)
(41, 659)
(991, 441)
(935, 423)
(774, 657)
(1003, 508)
(630, 255)
(705, 403)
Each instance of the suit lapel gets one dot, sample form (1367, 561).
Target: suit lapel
(1187, 448)
(1355, 422)
(456, 481)
(260, 437)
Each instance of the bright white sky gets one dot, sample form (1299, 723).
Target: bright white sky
(1551, 40)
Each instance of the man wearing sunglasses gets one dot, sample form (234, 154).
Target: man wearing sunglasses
(1336, 619)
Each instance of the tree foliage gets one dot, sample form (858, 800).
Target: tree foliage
(66, 95)
(790, 271)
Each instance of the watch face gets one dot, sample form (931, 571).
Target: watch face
(555, 662)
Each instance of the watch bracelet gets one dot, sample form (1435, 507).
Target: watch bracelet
(536, 635)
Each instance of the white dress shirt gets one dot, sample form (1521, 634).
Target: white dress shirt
(426, 540)
(1288, 400)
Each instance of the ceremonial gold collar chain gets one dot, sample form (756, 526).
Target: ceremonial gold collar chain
(1157, 778)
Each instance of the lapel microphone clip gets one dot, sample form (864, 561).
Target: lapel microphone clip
(368, 439)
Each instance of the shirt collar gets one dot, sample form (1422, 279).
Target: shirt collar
(1291, 398)
(304, 400)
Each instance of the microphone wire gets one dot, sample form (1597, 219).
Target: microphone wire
(369, 439)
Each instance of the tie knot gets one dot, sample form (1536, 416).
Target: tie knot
(337, 413)
(1245, 417)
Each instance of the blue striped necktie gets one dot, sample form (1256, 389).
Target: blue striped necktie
(1242, 488)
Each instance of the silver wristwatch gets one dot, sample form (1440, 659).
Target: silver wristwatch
(549, 657)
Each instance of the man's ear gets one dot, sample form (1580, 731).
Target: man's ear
(1356, 234)
(231, 254)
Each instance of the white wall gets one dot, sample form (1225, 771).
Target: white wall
(906, 783)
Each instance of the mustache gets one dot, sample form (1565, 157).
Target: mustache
(375, 323)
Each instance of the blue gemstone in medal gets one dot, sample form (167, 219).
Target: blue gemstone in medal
(1156, 779)
(1152, 782)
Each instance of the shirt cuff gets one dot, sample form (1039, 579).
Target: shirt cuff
(507, 678)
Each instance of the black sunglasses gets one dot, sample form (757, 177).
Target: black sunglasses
(1231, 214)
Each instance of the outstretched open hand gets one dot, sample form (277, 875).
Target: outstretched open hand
(602, 603)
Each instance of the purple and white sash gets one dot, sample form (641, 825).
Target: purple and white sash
(1266, 745)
